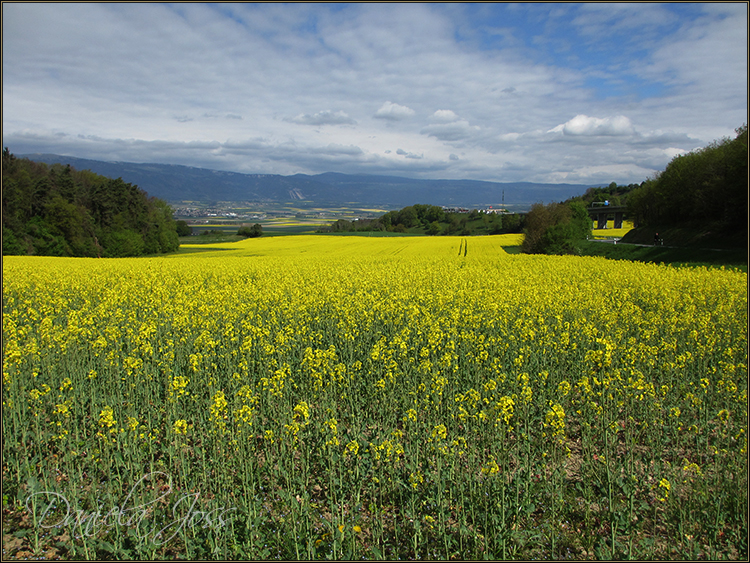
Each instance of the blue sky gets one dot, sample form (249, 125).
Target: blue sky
(581, 93)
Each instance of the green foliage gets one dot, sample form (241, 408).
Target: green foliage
(709, 185)
(555, 228)
(59, 211)
(342, 226)
(251, 231)
(11, 245)
(615, 194)
(434, 228)
(123, 243)
(419, 215)
(183, 229)
(580, 220)
(433, 220)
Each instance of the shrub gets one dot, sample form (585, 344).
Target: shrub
(251, 232)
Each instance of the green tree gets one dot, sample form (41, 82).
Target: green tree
(555, 228)
(434, 228)
(434, 213)
(60, 211)
(496, 227)
(513, 223)
(160, 229)
(408, 217)
(342, 226)
(122, 243)
(580, 221)
(11, 245)
(183, 229)
(73, 223)
(253, 231)
(706, 186)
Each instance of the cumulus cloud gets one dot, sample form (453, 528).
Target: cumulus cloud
(325, 117)
(447, 125)
(394, 112)
(444, 116)
(583, 125)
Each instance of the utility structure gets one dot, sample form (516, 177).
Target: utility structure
(600, 211)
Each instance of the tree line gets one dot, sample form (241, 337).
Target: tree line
(708, 186)
(433, 220)
(59, 211)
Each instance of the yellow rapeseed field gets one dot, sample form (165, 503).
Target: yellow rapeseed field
(610, 231)
(350, 397)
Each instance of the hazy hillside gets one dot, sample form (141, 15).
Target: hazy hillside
(180, 183)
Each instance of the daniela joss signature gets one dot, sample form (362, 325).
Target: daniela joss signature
(52, 510)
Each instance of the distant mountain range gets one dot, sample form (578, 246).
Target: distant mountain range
(175, 183)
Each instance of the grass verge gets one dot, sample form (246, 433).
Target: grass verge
(692, 257)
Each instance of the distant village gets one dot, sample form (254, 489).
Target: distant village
(218, 212)
(498, 210)
(232, 212)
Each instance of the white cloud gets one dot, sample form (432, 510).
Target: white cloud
(394, 112)
(601, 19)
(706, 67)
(325, 117)
(601, 174)
(655, 158)
(444, 116)
(583, 125)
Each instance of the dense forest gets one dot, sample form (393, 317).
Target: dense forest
(706, 187)
(59, 211)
